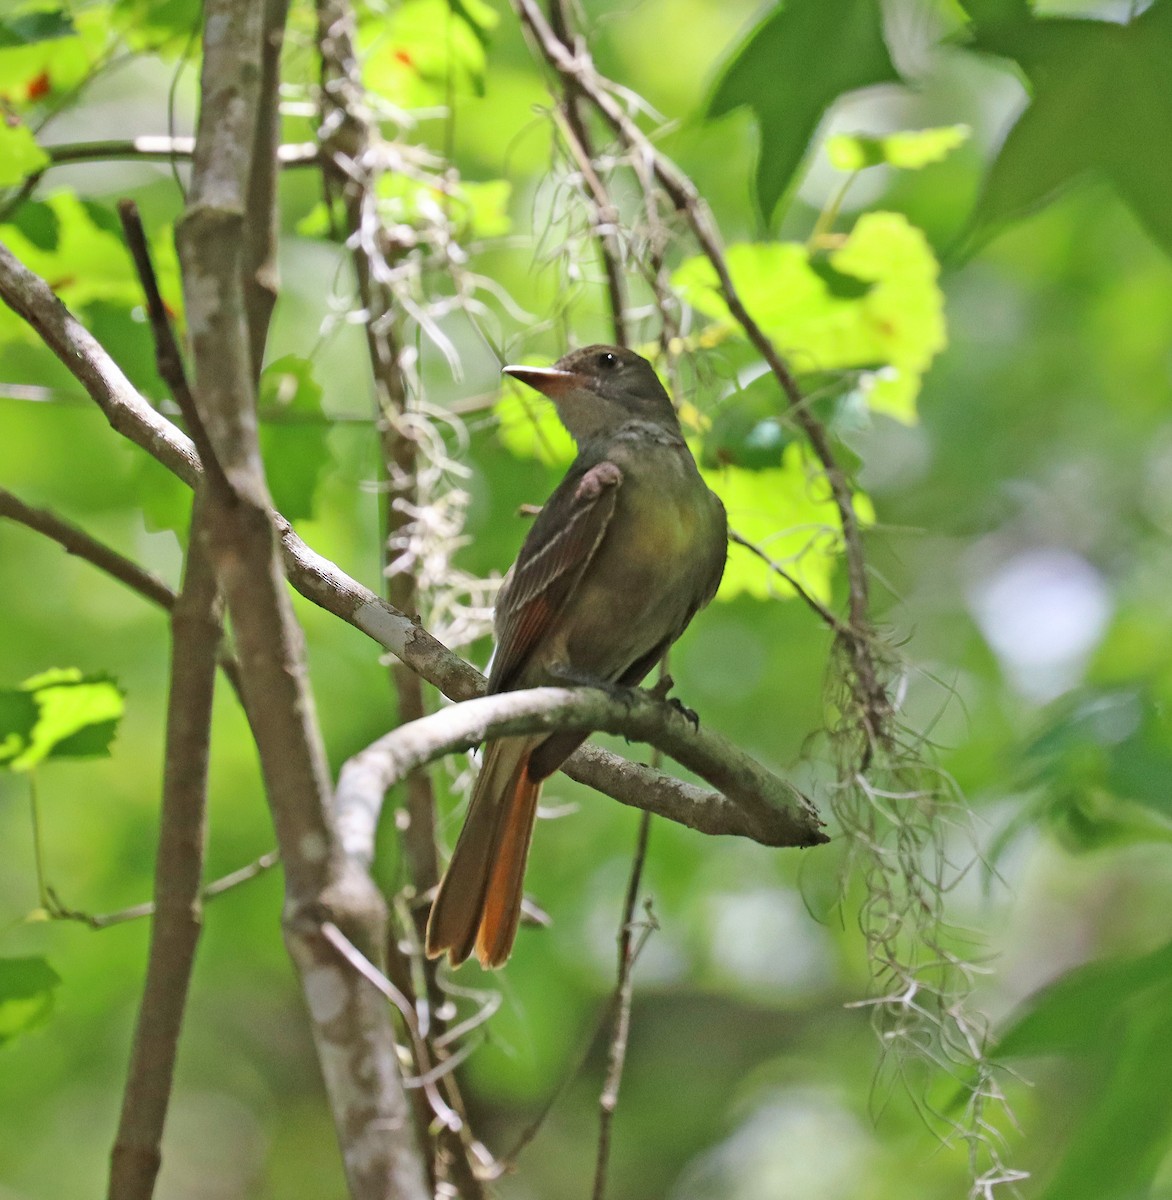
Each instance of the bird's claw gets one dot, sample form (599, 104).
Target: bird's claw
(689, 714)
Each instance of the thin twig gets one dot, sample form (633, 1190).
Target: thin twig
(196, 632)
(605, 214)
(621, 1007)
(811, 601)
(136, 912)
(77, 542)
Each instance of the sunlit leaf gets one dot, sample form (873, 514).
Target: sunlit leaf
(421, 50)
(88, 263)
(26, 995)
(529, 428)
(894, 321)
(789, 514)
(36, 68)
(72, 715)
(909, 150)
(478, 15)
(19, 154)
(791, 69)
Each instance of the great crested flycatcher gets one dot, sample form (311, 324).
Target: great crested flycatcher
(627, 549)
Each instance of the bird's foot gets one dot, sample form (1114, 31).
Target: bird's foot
(660, 690)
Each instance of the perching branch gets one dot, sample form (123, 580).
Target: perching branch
(752, 802)
(196, 630)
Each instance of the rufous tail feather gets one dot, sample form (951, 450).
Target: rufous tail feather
(479, 900)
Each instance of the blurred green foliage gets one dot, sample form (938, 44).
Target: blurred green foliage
(1033, 443)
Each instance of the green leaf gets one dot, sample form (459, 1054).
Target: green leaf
(790, 515)
(1117, 1147)
(33, 69)
(88, 263)
(873, 302)
(20, 156)
(478, 15)
(25, 29)
(158, 25)
(1100, 107)
(1104, 760)
(39, 223)
(529, 428)
(425, 46)
(26, 995)
(908, 150)
(1114, 1015)
(791, 69)
(1067, 1016)
(165, 499)
(292, 434)
(72, 715)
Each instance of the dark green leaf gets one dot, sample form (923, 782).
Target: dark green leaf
(159, 24)
(838, 283)
(1123, 1136)
(26, 995)
(1073, 1014)
(1101, 107)
(39, 223)
(27, 28)
(1104, 760)
(791, 69)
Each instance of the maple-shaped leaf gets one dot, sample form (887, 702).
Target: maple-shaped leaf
(791, 69)
(1101, 106)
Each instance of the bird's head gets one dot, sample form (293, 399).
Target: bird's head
(599, 388)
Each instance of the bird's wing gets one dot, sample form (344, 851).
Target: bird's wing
(557, 551)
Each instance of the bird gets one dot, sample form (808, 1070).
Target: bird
(628, 548)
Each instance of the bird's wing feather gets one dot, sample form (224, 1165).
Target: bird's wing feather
(557, 551)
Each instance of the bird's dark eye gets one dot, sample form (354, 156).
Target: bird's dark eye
(608, 361)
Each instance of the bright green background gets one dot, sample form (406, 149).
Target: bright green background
(1043, 440)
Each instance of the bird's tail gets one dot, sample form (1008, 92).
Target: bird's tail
(479, 899)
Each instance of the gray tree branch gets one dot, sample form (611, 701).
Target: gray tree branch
(350, 1022)
(752, 802)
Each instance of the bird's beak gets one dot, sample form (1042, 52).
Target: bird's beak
(549, 381)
